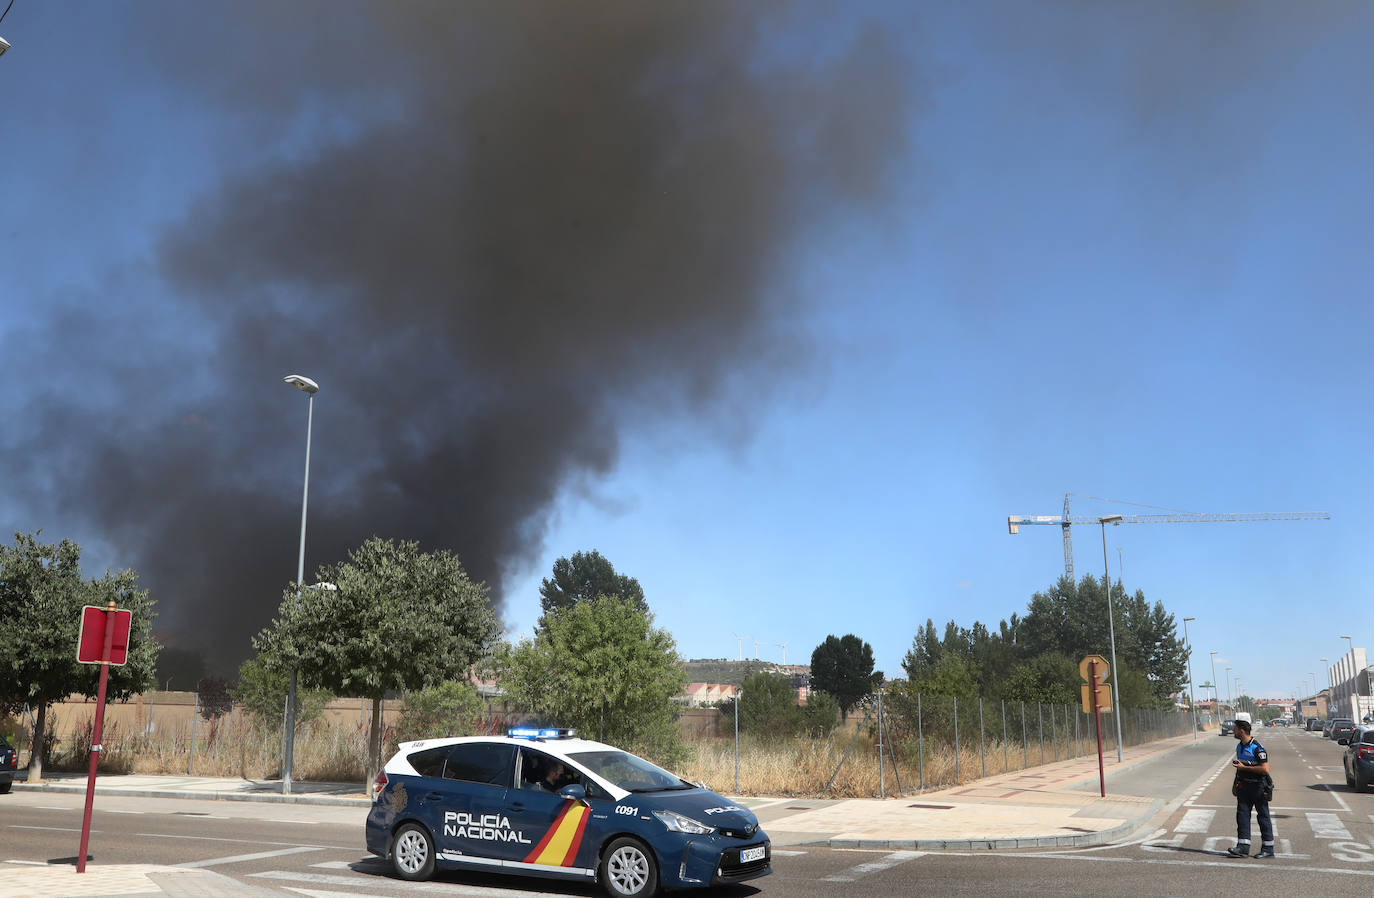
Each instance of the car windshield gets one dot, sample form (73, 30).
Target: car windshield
(629, 772)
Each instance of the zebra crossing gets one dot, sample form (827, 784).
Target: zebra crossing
(1213, 830)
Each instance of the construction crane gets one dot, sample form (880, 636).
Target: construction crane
(1066, 521)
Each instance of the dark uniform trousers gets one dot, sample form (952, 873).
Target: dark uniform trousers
(1247, 800)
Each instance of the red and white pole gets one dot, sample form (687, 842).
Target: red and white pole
(1097, 717)
(96, 736)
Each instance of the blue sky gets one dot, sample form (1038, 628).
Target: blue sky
(1116, 251)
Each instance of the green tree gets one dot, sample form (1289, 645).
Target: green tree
(41, 596)
(843, 667)
(583, 577)
(1052, 678)
(767, 704)
(602, 667)
(261, 691)
(820, 714)
(452, 708)
(396, 619)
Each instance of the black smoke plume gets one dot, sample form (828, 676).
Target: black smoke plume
(501, 235)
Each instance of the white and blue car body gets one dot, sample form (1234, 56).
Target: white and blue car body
(546, 803)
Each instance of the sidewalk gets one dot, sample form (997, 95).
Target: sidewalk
(1053, 805)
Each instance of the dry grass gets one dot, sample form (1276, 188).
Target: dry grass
(329, 751)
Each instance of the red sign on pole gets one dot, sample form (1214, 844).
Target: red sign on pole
(104, 640)
(90, 647)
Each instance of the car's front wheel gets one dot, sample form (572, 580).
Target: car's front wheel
(628, 869)
(412, 853)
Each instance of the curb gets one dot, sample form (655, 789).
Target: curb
(334, 800)
(1078, 840)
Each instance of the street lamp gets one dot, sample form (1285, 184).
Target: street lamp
(1230, 704)
(309, 387)
(1111, 630)
(1354, 702)
(1191, 703)
(1238, 685)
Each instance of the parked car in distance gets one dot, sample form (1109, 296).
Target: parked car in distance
(1228, 727)
(1359, 758)
(9, 760)
(1314, 723)
(1341, 728)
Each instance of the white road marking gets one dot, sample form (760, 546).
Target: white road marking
(1327, 826)
(241, 841)
(1195, 821)
(783, 852)
(1339, 800)
(215, 861)
(445, 888)
(56, 829)
(31, 863)
(883, 863)
(319, 893)
(769, 804)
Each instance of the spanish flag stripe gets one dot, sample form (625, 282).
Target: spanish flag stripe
(563, 834)
(576, 841)
(531, 858)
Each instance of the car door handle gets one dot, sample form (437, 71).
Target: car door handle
(434, 796)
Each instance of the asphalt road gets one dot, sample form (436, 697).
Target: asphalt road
(1325, 838)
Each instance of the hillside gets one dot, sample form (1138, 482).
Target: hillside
(728, 671)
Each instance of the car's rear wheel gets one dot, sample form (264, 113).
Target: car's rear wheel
(412, 853)
(4, 787)
(628, 869)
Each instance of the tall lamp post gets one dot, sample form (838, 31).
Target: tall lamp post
(1238, 685)
(1189, 647)
(1230, 704)
(1111, 631)
(1216, 699)
(1354, 683)
(309, 387)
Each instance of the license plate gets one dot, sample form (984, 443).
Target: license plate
(752, 854)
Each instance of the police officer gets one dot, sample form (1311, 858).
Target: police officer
(1252, 766)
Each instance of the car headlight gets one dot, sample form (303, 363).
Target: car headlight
(680, 824)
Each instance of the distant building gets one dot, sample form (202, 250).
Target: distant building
(704, 695)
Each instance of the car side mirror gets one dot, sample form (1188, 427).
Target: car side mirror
(575, 791)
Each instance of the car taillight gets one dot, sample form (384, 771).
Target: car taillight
(1365, 753)
(378, 784)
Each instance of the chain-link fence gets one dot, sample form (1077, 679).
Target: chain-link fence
(920, 741)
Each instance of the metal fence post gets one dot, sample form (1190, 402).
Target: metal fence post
(1006, 765)
(920, 744)
(1025, 752)
(1054, 732)
(958, 776)
(982, 756)
(1040, 727)
(882, 784)
(191, 761)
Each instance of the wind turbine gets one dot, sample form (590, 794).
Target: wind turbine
(741, 643)
(783, 646)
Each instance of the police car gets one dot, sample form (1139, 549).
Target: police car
(542, 802)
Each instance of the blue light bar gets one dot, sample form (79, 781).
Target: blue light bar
(540, 733)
